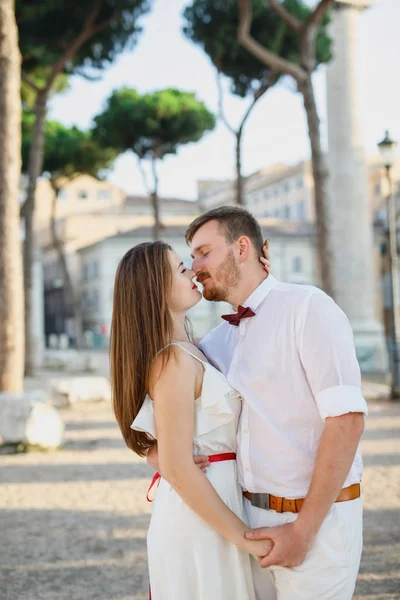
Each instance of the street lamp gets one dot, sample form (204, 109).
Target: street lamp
(387, 148)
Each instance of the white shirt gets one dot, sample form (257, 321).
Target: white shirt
(294, 364)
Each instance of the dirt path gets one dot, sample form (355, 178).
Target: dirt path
(73, 522)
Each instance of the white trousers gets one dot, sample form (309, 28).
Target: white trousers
(330, 569)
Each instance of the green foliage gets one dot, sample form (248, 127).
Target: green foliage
(323, 48)
(152, 125)
(27, 124)
(24, 448)
(68, 151)
(49, 27)
(213, 24)
(39, 76)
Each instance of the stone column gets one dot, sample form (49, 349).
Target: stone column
(355, 282)
(38, 308)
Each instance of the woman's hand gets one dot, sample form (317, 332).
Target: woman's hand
(265, 259)
(259, 550)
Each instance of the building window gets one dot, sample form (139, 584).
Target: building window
(104, 194)
(286, 211)
(300, 211)
(95, 301)
(299, 183)
(286, 187)
(95, 270)
(297, 264)
(266, 193)
(85, 272)
(377, 189)
(83, 195)
(84, 300)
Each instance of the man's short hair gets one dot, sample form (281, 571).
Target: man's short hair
(233, 222)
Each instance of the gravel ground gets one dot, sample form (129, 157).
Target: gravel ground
(73, 522)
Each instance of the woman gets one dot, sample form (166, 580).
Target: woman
(164, 389)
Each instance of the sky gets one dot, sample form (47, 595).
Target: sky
(276, 130)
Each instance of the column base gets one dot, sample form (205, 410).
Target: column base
(371, 347)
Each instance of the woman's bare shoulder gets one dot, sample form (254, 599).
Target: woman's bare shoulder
(173, 365)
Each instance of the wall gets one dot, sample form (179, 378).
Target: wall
(287, 254)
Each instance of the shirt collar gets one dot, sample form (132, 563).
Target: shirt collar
(261, 292)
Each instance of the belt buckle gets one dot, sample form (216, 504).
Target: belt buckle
(260, 501)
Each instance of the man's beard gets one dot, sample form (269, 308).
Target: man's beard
(226, 276)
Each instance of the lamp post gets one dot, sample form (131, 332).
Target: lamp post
(387, 149)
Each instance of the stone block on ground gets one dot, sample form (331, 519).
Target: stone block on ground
(27, 418)
(66, 392)
(71, 361)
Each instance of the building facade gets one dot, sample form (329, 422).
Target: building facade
(292, 256)
(287, 191)
(281, 191)
(87, 211)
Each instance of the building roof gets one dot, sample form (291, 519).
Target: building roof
(134, 202)
(262, 178)
(278, 172)
(270, 228)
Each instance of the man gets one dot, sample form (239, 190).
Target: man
(289, 351)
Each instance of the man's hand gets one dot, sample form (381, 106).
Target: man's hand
(152, 459)
(202, 462)
(265, 259)
(290, 548)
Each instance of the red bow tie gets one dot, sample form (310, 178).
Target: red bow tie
(244, 312)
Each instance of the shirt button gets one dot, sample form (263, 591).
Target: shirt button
(247, 470)
(245, 431)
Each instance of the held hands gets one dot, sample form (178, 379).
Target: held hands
(258, 548)
(290, 544)
(265, 259)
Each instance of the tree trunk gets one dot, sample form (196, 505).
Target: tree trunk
(306, 32)
(156, 212)
(239, 179)
(240, 200)
(11, 283)
(35, 165)
(70, 297)
(155, 201)
(320, 174)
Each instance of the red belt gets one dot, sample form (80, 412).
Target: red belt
(212, 458)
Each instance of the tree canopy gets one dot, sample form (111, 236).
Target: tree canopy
(68, 151)
(100, 29)
(214, 26)
(154, 124)
(38, 77)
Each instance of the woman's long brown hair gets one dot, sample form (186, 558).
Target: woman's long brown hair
(141, 326)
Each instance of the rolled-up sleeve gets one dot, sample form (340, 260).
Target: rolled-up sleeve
(327, 353)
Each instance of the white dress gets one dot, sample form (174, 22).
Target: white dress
(188, 560)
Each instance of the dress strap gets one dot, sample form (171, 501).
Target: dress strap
(182, 348)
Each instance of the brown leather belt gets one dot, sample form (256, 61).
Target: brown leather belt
(280, 505)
